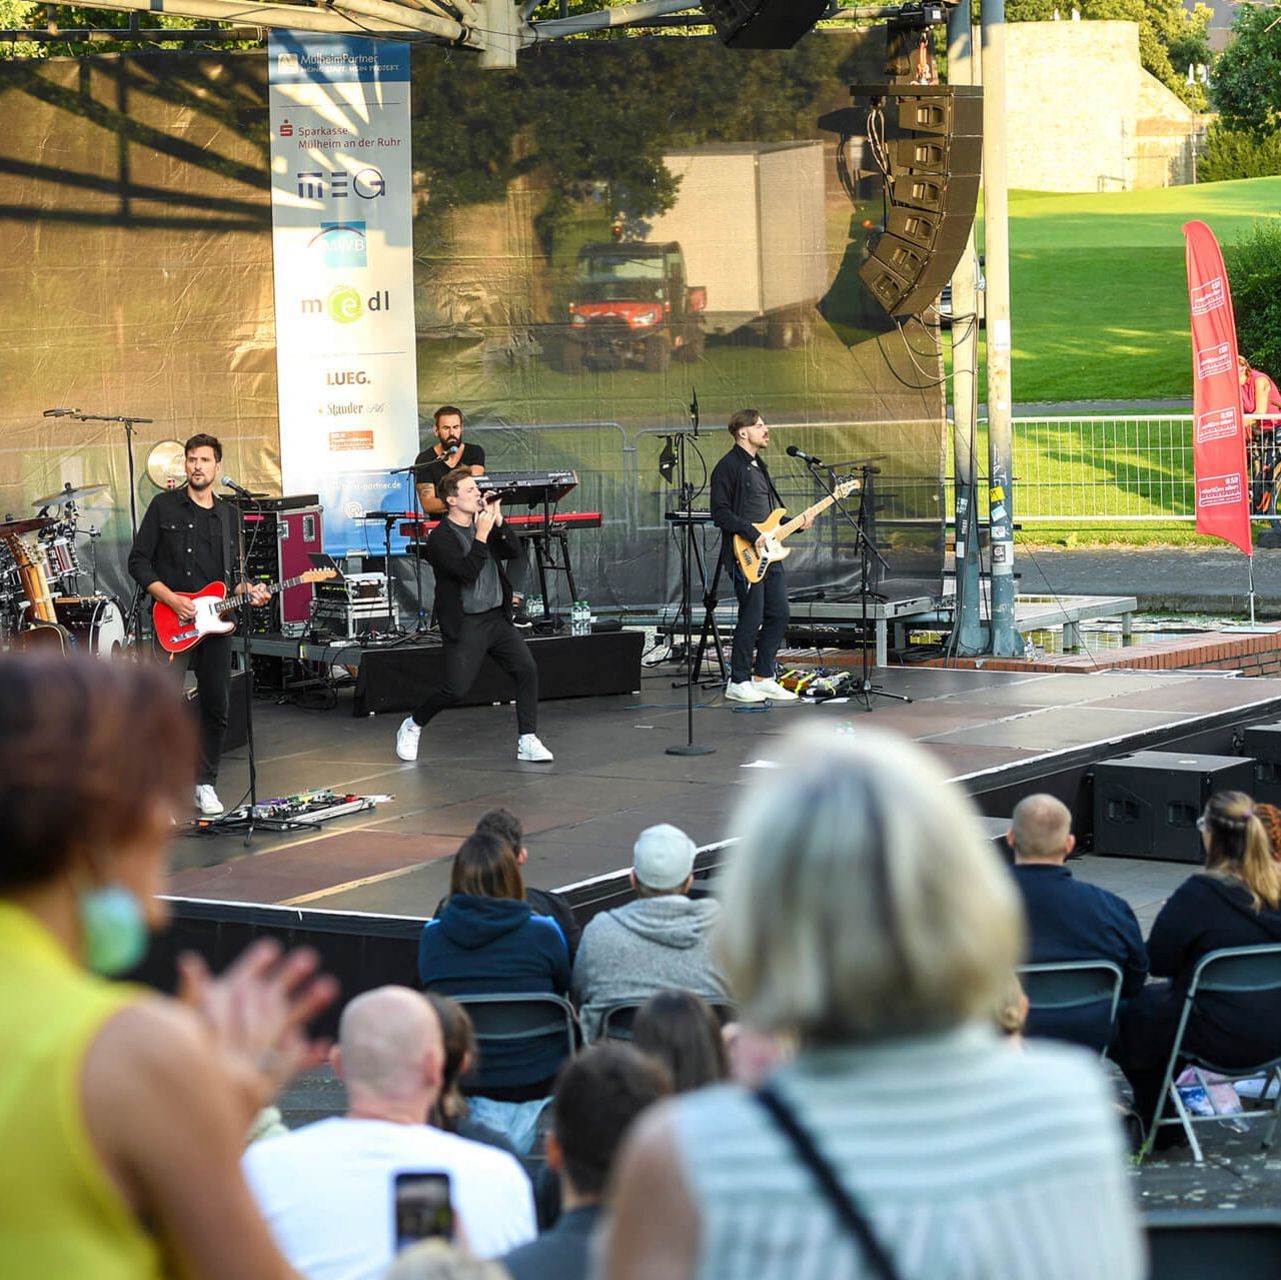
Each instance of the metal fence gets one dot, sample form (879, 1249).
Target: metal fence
(1074, 470)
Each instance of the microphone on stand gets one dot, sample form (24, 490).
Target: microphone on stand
(808, 458)
(59, 413)
(229, 483)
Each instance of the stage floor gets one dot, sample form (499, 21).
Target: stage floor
(994, 731)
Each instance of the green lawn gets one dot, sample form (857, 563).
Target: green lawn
(1098, 294)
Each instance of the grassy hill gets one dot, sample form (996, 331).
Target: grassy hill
(1098, 293)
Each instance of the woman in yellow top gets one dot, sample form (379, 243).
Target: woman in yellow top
(122, 1112)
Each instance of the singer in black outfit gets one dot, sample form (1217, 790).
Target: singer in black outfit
(743, 495)
(433, 464)
(188, 539)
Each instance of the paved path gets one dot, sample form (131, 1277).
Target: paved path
(1173, 579)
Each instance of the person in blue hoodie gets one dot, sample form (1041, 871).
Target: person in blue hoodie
(488, 941)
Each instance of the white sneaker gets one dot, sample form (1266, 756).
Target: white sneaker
(774, 691)
(744, 691)
(207, 800)
(528, 748)
(407, 739)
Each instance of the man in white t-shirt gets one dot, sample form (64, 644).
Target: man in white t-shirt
(326, 1190)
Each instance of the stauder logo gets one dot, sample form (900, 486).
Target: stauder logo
(344, 305)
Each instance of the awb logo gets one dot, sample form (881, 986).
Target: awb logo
(344, 305)
(287, 62)
(343, 244)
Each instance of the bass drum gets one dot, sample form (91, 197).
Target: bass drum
(95, 624)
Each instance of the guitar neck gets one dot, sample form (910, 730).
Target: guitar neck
(233, 601)
(796, 522)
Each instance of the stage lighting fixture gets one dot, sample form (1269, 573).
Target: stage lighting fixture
(763, 24)
(667, 460)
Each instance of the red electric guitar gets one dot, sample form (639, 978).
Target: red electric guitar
(215, 613)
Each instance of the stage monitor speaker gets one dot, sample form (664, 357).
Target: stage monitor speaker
(1263, 745)
(763, 24)
(1146, 805)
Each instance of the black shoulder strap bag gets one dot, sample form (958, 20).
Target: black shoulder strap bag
(851, 1216)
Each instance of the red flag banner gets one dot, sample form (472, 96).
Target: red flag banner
(1218, 430)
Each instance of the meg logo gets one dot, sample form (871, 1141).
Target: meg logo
(343, 244)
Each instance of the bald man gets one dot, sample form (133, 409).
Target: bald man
(326, 1189)
(1069, 919)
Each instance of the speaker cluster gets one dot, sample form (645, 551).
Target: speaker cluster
(931, 171)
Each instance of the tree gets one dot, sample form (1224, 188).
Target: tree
(1254, 272)
(1246, 87)
(1238, 153)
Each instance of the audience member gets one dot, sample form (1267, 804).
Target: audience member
(1070, 920)
(507, 826)
(122, 1113)
(1234, 902)
(452, 1112)
(864, 911)
(441, 1260)
(542, 902)
(598, 1095)
(1270, 816)
(682, 1031)
(661, 939)
(487, 941)
(326, 1189)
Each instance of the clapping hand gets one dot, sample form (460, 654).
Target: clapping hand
(257, 1014)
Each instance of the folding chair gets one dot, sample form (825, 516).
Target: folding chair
(616, 1021)
(1235, 971)
(521, 1015)
(1191, 1244)
(1073, 984)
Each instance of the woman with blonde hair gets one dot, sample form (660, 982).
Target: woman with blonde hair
(1234, 902)
(865, 914)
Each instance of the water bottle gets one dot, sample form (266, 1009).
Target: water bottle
(535, 609)
(587, 618)
(578, 619)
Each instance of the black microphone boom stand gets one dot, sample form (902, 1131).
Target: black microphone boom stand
(234, 819)
(420, 518)
(865, 689)
(686, 500)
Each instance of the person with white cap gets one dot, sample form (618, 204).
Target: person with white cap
(659, 940)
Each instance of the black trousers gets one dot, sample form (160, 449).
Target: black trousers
(485, 634)
(210, 662)
(762, 623)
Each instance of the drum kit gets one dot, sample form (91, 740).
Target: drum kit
(41, 603)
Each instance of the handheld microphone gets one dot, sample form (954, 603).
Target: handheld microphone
(808, 458)
(59, 413)
(229, 483)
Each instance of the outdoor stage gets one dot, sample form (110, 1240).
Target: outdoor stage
(999, 733)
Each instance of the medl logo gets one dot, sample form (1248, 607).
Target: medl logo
(342, 243)
(344, 305)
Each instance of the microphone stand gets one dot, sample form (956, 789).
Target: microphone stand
(686, 499)
(864, 690)
(419, 517)
(234, 819)
(133, 618)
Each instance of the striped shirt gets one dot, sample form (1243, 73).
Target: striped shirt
(972, 1161)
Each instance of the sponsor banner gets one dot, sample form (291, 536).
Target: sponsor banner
(1218, 442)
(343, 248)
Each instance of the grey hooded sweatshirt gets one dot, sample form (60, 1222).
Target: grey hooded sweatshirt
(642, 947)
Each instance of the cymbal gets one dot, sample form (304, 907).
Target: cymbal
(15, 528)
(68, 494)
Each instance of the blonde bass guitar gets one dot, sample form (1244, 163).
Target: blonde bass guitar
(754, 563)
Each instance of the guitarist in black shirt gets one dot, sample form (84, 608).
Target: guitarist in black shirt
(743, 495)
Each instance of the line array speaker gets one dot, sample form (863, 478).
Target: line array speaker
(763, 24)
(932, 187)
